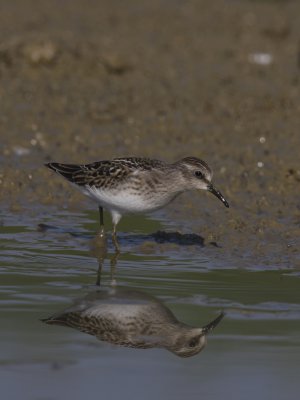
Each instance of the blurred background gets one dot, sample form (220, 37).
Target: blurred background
(82, 81)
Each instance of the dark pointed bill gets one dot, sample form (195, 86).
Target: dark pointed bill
(218, 194)
(209, 327)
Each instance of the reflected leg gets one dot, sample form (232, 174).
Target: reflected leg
(100, 252)
(113, 267)
(99, 246)
(98, 249)
(99, 272)
(115, 257)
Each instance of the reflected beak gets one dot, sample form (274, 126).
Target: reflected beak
(209, 327)
(218, 194)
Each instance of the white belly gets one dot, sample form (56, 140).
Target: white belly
(126, 202)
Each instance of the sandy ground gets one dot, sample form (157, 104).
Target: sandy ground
(90, 80)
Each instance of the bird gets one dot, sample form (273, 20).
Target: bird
(136, 184)
(132, 318)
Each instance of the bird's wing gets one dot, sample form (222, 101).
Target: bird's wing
(104, 173)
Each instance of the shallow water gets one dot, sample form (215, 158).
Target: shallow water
(253, 352)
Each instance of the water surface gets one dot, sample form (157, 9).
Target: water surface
(253, 353)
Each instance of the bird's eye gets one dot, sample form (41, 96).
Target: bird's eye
(199, 174)
(193, 342)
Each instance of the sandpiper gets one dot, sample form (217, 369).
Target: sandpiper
(130, 185)
(135, 319)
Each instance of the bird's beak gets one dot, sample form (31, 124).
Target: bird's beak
(218, 194)
(209, 327)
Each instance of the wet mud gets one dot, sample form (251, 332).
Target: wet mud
(161, 79)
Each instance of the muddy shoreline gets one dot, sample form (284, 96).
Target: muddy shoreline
(163, 80)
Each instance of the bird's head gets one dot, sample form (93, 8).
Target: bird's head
(198, 175)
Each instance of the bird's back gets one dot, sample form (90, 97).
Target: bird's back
(107, 173)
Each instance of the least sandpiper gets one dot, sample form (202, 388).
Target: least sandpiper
(133, 319)
(130, 185)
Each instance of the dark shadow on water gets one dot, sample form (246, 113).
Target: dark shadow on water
(183, 239)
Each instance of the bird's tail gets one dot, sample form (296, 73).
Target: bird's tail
(66, 170)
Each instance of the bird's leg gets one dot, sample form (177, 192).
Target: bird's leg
(115, 241)
(101, 216)
(101, 219)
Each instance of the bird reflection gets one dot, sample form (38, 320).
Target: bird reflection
(128, 317)
(134, 319)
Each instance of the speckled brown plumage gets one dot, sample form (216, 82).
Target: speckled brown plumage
(105, 174)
